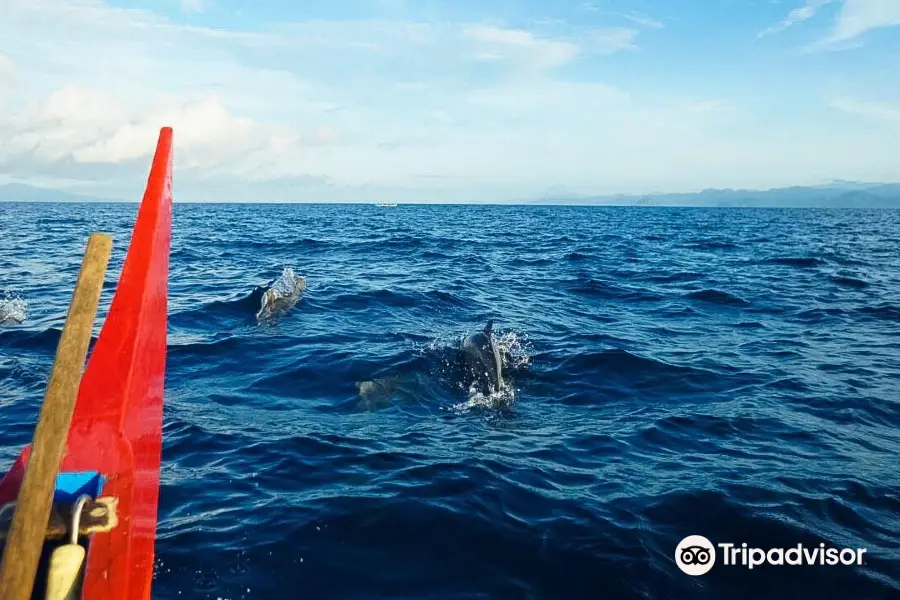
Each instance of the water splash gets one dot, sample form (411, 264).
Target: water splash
(502, 399)
(447, 368)
(516, 352)
(287, 282)
(516, 349)
(13, 308)
(281, 296)
(630, 418)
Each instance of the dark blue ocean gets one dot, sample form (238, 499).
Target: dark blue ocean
(721, 372)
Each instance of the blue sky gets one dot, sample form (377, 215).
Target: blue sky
(429, 100)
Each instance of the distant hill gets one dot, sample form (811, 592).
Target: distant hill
(839, 194)
(19, 192)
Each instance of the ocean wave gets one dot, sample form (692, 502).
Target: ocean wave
(713, 296)
(41, 340)
(821, 315)
(578, 256)
(398, 299)
(217, 313)
(607, 290)
(802, 262)
(675, 277)
(885, 311)
(673, 371)
(712, 245)
(851, 282)
(531, 262)
(627, 371)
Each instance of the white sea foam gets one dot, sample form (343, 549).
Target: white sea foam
(13, 308)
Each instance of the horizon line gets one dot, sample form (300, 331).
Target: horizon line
(510, 203)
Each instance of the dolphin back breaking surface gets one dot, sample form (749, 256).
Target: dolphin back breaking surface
(483, 359)
(475, 364)
(13, 308)
(282, 295)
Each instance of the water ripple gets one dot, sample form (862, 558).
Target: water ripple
(725, 372)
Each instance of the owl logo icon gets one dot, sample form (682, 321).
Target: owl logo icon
(695, 555)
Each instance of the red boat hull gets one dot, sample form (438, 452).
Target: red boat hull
(117, 425)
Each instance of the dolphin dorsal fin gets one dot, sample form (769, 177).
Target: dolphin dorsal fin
(489, 328)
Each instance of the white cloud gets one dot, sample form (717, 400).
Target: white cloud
(441, 116)
(540, 53)
(301, 113)
(88, 127)
(52, 128)
(709, 106)
(855, 18)
(798, 15)
(635, 17)
(208, 135)
(497, 43)
(511, 37)
(95, 96)
(7, 76)
(613, 39)
(860, 16)
(193, 6)
(546, 99)
(7, 67)
(889, 113)
(643, 20)
(352, 109)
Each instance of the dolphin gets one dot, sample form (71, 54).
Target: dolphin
(376, 393)
(482, 357)
(282, 295)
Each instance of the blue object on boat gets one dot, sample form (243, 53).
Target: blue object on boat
(69, 486)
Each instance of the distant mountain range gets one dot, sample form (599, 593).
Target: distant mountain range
(19, 192)
(839, 194)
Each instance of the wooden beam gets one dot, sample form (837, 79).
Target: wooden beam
(32, 513)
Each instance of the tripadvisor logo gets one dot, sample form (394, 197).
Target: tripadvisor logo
(696, 555)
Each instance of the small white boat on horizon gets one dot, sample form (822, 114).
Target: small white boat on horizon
(386, 204)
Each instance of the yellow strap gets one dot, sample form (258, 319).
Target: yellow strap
(64, 574)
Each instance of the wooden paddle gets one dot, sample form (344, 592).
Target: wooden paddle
(32, 513)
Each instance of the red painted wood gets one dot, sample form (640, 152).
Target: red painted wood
(117, 426)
